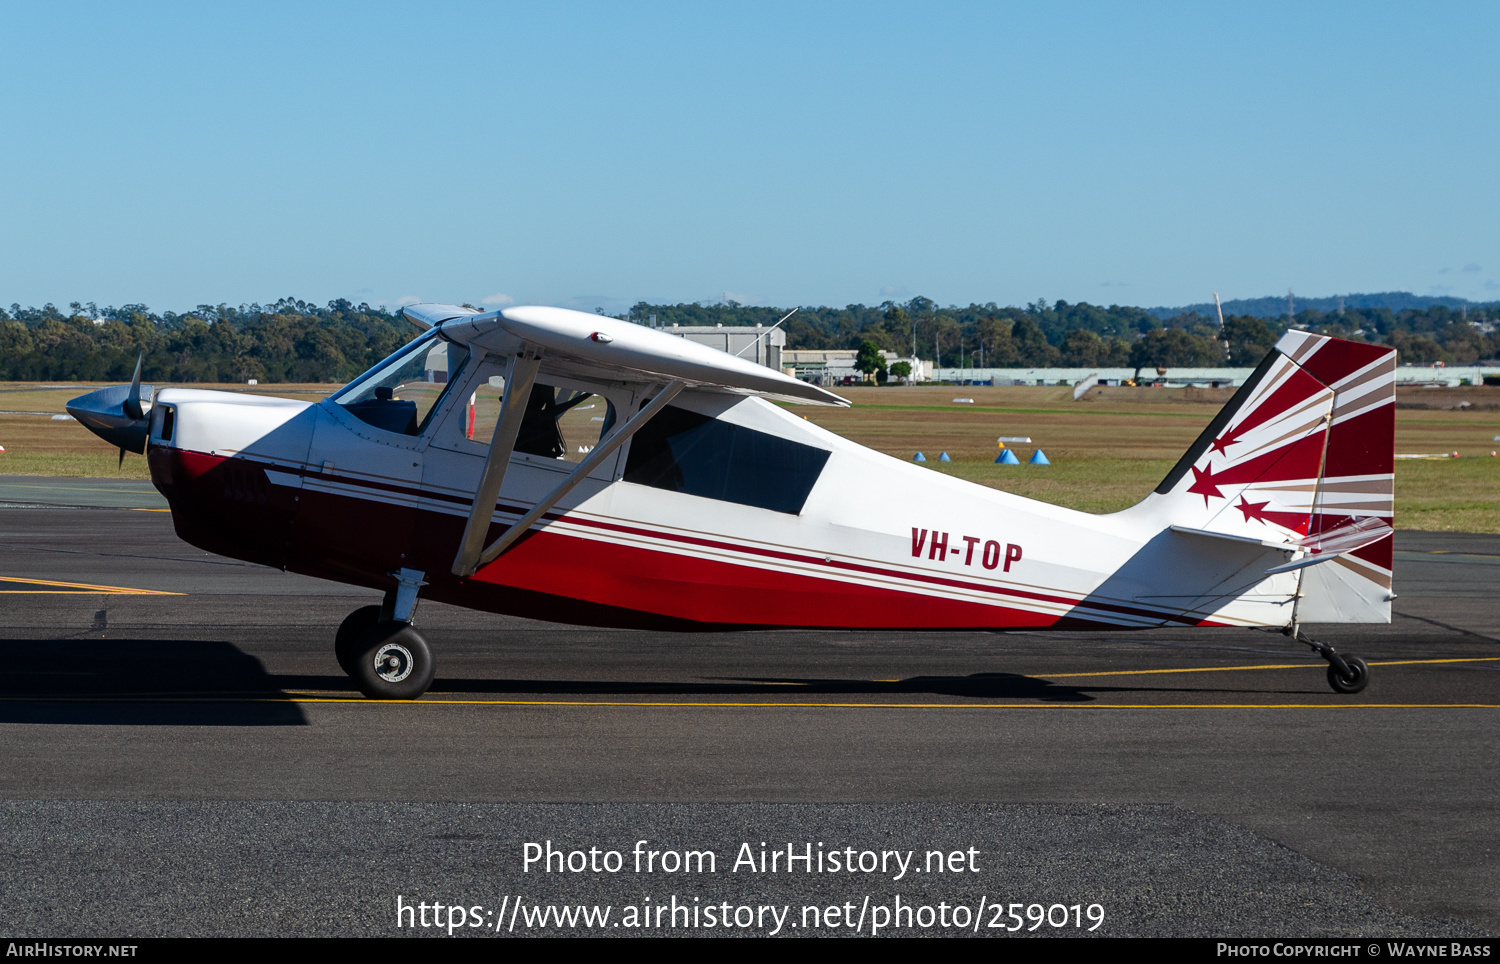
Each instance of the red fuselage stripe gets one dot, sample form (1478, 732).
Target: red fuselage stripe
(777, 554)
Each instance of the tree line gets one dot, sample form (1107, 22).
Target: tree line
(1060, 334)
(293, 340)
(288, 341)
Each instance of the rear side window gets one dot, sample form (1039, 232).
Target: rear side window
(685, 452)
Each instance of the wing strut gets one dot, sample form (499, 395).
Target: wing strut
(520, 372)
(602, 451)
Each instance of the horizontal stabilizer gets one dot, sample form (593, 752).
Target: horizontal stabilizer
(1330, 545)
(1348, 537)
(1210, 534)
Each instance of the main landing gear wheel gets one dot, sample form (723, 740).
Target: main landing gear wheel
(392, 662)
(1359, 675)
(347, 637)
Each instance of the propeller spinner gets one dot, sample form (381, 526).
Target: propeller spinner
(118, 414)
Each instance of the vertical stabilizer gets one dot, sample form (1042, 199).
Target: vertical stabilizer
(1305, 447)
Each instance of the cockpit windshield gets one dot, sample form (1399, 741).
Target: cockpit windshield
(401, 393)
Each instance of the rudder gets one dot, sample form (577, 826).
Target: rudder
(1304, 450)
(1358, 480)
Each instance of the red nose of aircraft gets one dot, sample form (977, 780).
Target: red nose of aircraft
(117, 413)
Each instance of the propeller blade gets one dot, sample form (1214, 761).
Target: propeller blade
(132, 404)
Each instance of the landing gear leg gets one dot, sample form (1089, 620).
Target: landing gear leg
(1346, 674)
(379, 649)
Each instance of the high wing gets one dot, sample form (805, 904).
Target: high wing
(594, 346)
(563, 342)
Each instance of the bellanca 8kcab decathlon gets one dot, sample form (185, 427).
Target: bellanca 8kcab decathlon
(575, 468)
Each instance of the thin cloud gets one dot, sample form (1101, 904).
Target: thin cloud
(606, 304)
(497, 299)
(408, 300)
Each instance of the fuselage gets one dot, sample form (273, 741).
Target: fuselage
(874, 542)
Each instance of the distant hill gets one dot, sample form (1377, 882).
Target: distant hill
(1275, 307)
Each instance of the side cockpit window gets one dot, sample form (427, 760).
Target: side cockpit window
(683, 451)
(552, 429)
(559, 423)
(400, 394)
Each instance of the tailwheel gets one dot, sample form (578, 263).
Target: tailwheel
(1354, 681)
(392, 662)
(347, 637)
(1346, 674)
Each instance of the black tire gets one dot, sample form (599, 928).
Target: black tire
(1353, 683)
(347, 637)
(392, 662)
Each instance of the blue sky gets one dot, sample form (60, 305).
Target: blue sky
(600, 154)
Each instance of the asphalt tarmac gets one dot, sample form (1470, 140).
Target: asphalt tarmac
(195, 763)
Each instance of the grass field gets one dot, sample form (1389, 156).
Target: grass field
(1112, 448)
(1108, 450)
(35, 444)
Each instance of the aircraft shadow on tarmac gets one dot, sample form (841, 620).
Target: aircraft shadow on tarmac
(978, 686)
(985, 686)
(144, 682)
(138, 682)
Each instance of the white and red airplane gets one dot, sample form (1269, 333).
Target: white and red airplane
(467, 468)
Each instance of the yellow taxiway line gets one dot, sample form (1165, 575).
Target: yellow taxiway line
(1231, 669)
(1205, 669)
(662, 704)
(937, 706)
(77, 588)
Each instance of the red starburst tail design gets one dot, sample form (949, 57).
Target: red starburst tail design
(1304, 450)
(1270, 438)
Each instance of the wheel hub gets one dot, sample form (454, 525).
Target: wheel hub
(393, 662)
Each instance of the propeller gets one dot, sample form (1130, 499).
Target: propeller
(132, 404)
(118, 414)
